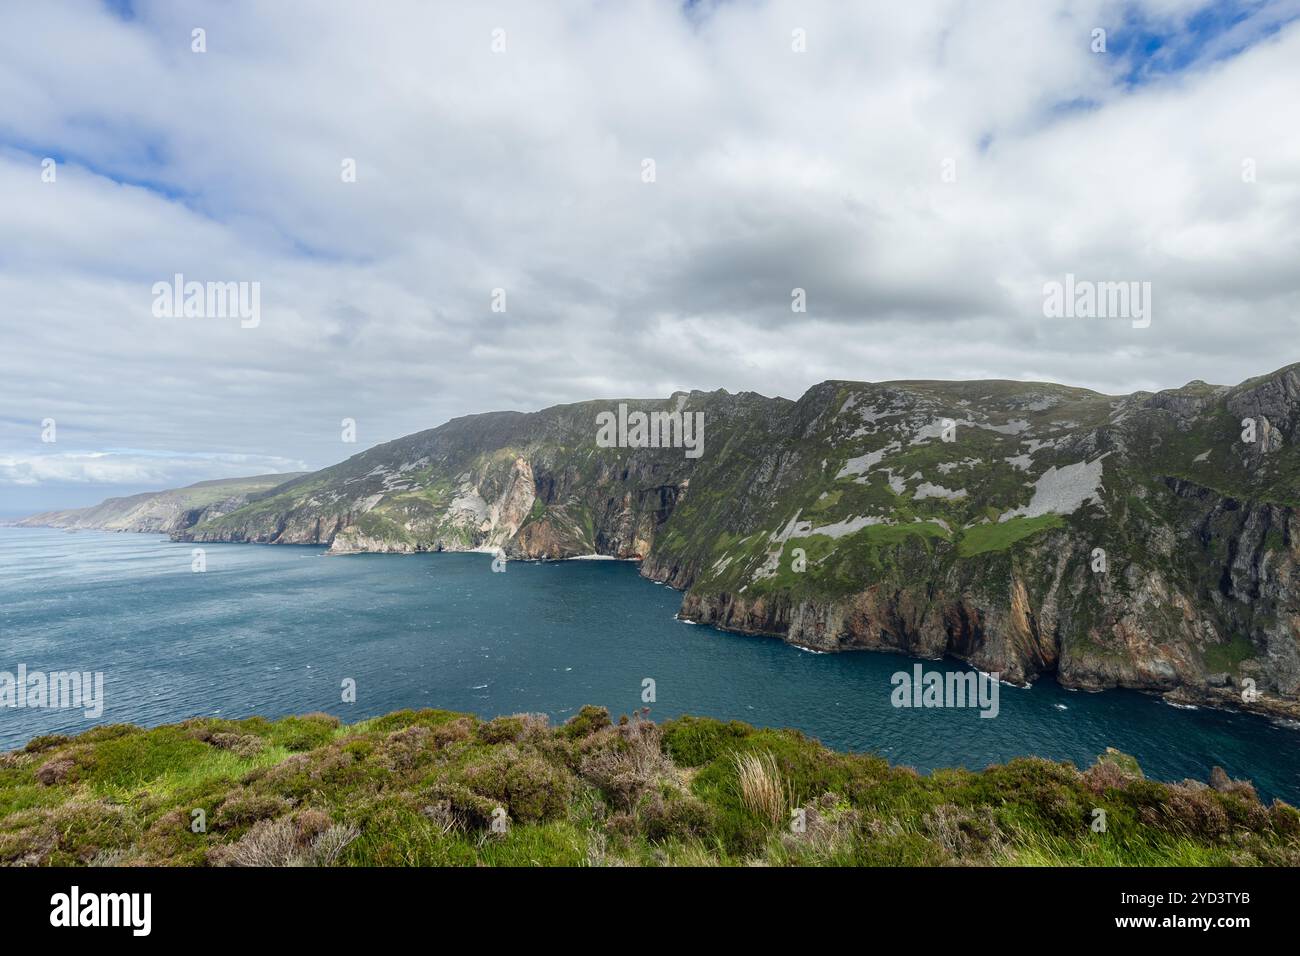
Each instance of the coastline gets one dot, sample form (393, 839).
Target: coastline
(1285, 712)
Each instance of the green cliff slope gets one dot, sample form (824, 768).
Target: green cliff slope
(162, 511)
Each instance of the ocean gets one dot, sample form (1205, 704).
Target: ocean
(275, 630)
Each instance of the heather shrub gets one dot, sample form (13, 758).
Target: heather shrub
(455, 806)
(1285, 820)
(586, 722)
(290, 777)
(625, 762)
(1049, 792)
(46, 742)
(56, 770)
(268, 843)
(672, 814)
(1105, 775)
(311, 822)
(526, 785)
(501, 730)
(66, 835)
(455, 731)
(407, 748)
(243, 808)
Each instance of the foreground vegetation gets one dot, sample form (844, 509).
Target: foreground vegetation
(431, 788)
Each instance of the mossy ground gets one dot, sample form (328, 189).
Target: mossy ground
(999, 536)
(430, 787)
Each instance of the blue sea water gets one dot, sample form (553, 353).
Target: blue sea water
(276, 630)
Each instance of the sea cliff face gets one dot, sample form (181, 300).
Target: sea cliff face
(1144, 541)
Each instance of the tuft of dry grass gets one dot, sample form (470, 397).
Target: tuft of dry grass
(243, 745)
(287, 842)
(762, 790)
(965, 834)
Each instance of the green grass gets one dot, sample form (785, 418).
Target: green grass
(1001, 535)
(1227, 657)
(423, 788)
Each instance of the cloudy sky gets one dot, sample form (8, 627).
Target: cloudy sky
(919, 169)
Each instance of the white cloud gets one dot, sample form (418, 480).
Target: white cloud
(134, 468)
(521, 170)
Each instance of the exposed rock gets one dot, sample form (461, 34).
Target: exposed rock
(1220, 781)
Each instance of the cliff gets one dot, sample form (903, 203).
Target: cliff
(1144, 541)
(161, 511)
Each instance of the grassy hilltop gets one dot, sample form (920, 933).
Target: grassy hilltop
(423, 788)
(162, 511)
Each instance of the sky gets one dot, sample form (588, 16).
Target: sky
(920, 171)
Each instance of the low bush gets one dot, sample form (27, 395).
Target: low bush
(431, 787)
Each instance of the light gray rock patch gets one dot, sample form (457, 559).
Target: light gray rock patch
(927, 490)
(1062, 491)
(863, 464)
